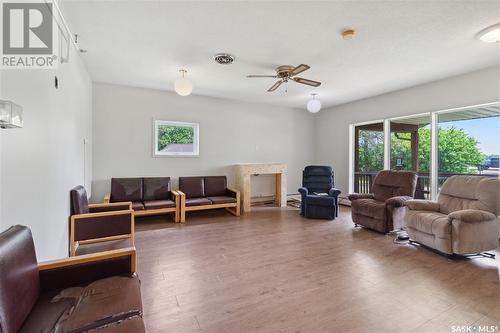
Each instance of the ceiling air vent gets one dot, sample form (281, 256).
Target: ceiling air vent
(223, 58)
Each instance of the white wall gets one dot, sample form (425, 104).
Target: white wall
(41, 162)
(229, 133)
(332, 125)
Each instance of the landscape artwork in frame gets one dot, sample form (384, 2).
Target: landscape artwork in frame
(173, 138)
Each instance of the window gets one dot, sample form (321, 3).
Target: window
(468, 142)
(436, 145)
(173, 138)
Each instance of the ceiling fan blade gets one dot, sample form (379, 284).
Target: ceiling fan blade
(251, 76)
(275, 86)
(299, 69)
(306, 81)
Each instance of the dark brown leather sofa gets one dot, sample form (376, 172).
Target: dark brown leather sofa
(385, 207)
(90, 293)
(98, 227)
(207, 192)
(149, 196)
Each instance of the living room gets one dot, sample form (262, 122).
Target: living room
(288, 166)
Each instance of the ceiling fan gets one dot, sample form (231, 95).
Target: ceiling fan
(285, 73)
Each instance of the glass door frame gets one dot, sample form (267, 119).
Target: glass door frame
(434, 115)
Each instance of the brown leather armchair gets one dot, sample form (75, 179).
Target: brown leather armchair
(98, 227)
(385, 207)
(96, 292)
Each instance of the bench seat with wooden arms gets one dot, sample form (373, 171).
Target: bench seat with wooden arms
(209, 192)
(149, 196)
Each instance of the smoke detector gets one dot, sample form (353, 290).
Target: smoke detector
(348, 34)
(224, 58)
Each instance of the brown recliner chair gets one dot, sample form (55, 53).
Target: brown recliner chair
(463, 220)
(385, 208)
(95, 292)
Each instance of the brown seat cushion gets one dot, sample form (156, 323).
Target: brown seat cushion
(198, 202)
(157, 204)
(129, 325)
(221, 200)
(369, 207)
(215, 186)
(137, 205)
(157, 188)
(113, 303)
(45, 314)
(193, 187)
(432, 223)
(101, 303)
(126, 189)
(102, 246)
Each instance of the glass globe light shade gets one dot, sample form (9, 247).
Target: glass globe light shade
(490, 34)
(313, 105)
(183, 86)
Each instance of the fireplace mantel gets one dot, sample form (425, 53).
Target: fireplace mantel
(243, 173)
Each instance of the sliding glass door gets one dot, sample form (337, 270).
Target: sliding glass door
(368, 155)
(411, 149)
(435, 145)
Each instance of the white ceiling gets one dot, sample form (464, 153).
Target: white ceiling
(399, 44)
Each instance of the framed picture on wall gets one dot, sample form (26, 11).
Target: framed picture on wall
(173, 138)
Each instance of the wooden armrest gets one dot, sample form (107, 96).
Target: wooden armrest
(100, 214)
(107, 198)
(233, 190)
(89, 258)
(111, 204)
(180, 193)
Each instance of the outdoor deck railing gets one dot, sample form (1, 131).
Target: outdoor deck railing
(363, 182)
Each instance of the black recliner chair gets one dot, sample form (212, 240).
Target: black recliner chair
(318, 192)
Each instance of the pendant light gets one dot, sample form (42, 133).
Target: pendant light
(314, 105)
(182, 85)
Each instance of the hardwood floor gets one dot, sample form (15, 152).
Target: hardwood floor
(272, 271)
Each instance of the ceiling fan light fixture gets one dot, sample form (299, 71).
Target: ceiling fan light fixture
(314, 105)
(183, 86)
(490, 34)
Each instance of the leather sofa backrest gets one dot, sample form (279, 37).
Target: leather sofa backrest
(392, 183)
(156, 188)
(215, 185)
(318, 178)
(193, 187)
(470, 192)
(126, 189)
(79, 200)
(19, 279)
